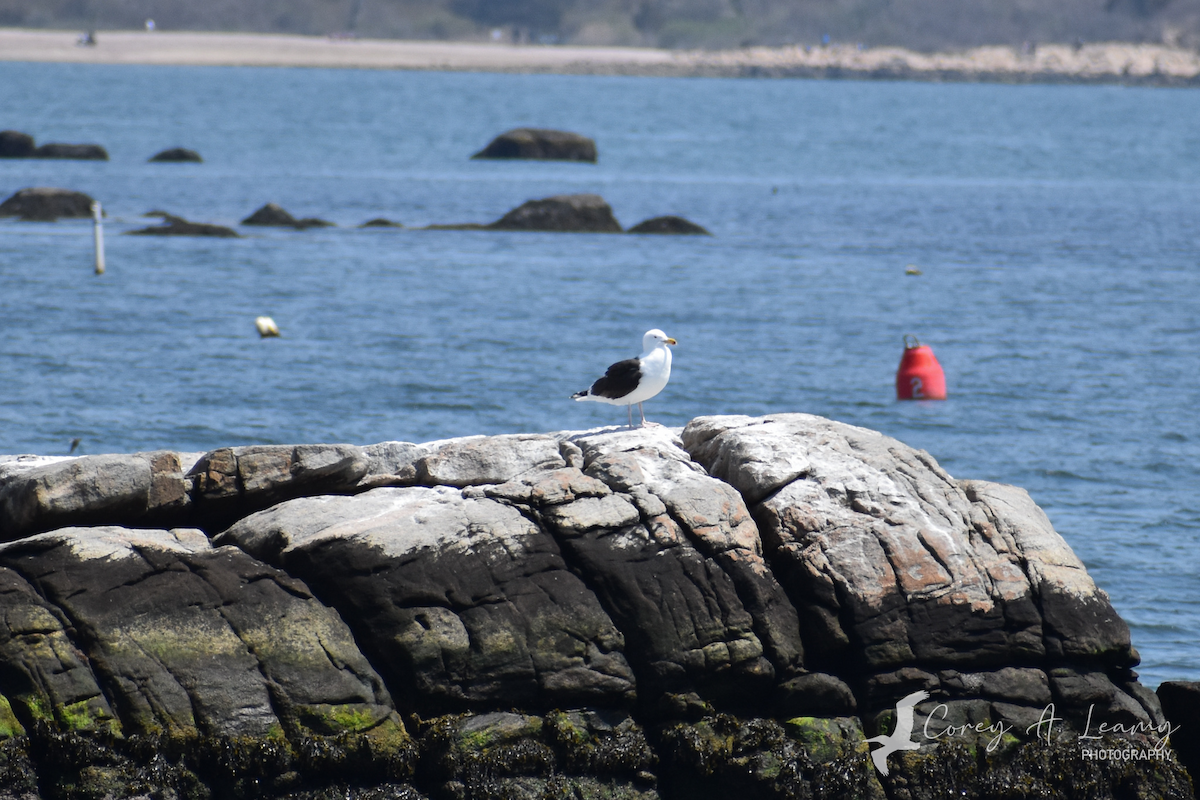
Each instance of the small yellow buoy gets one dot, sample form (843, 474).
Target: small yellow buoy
(912, 269)
(266, 327)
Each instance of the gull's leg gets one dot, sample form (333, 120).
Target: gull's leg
(630, 407)
(642, 411)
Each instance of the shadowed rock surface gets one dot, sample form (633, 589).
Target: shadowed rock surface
(587, 213)
(80, 152)
(15, 144)
(1181, 701)
(729, 609)
(669, 225)
(46, 204)
(540, 144)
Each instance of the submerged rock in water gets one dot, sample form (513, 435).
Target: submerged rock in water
(274, 215)
(540, 144)
(80, 152)
(669, 225)
(177, 154)
(46, 204)
(732, 608)
(178, 226)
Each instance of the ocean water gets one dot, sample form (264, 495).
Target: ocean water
(1057, 229)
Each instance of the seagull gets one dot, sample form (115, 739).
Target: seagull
(635, 380)
(901, 738)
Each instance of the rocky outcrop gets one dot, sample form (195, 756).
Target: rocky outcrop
(274, 215)
(46, 204)
(381, 222)
(176, 155)
(669, 225)
(79, 152)
(587, 213)
(15, 144)
(178, 226)
(540, 144)
(734, 607)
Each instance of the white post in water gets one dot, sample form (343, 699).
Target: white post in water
(98, 230)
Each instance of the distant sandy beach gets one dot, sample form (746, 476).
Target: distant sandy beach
(1093, 63)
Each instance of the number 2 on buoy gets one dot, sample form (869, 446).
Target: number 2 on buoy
(920, 376)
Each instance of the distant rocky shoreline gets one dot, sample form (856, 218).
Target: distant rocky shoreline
(1106, 62)
(728, 609)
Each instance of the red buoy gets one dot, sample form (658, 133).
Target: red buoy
(920, 376)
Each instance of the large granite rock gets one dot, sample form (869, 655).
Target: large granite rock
(232, 482)
(209, 490)
(540, 144)
(734, 607)
(405, 565)
(906, 579)
(46, 204)
(111, 633)
(40, 494)
(585, 213)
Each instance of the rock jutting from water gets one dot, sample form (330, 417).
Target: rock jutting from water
(77, 152)
(178, 226)
(575, 213)
(46, 204)
(729, 608)
(274, 215)
(587, 213)
(177, 155)
(540, 144)
(16, 144)
(670, 225)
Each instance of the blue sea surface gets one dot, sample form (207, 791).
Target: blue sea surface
(1057, 229)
